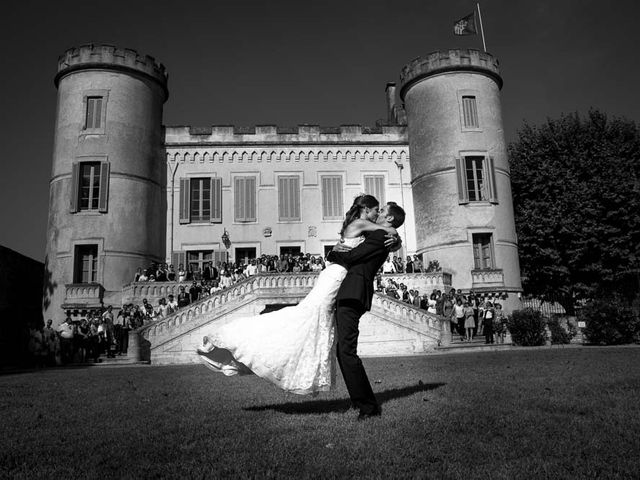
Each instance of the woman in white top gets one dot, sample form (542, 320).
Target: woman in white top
(388, 266)
(182, 274)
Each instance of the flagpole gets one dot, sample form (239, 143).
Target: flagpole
(481, 28)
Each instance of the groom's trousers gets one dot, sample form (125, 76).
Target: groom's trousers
(355, 377)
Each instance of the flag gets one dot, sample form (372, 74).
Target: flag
(466, 25)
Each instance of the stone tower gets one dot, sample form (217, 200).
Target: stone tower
(459, 170)
(107, 199)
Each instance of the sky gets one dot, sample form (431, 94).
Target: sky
(290, 62)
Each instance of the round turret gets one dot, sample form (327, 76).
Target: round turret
(459, 168)
(107, 190)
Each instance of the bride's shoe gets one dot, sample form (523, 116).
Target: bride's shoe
(206, 346)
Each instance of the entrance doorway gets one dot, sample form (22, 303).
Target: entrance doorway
(290, 250)
(245, 254)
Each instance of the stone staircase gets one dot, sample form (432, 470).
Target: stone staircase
(390, 328)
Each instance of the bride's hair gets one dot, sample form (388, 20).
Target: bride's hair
(361, 202)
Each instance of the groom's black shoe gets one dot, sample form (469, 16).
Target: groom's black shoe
(366, 415)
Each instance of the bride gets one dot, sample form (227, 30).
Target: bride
(293, 347)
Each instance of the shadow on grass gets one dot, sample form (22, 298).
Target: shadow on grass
(343, 404)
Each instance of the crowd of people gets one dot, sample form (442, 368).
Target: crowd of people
(80, 340)
(101, 332)
(469, 315)
(234, 271)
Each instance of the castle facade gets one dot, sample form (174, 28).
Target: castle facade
(126, 191)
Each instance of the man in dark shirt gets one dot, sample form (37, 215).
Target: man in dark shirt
(194, 292)
(183, 298)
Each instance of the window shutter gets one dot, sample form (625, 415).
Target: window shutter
(88, 122)
(216, 200)
(283, 211)
(289, 198)
(75, 185)
(177, 259)
(490, 177)
(470, 112)
(219, 256)
(238, 195)
(97, 114)
(103, 198)
(477, 254)
(251, 199)
(325, 197)
(295, 195)
(332, 197)
(185, 186)
(374, 185)
(461, 173)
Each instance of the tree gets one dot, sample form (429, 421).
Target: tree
(576, 193)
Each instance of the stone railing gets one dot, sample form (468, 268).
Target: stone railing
(487, 278)
(423, 282)
(272, 288)
(411, 316)
(296, 286)
(83, 295)
(152, 291)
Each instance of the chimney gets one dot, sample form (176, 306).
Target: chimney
(391, 103)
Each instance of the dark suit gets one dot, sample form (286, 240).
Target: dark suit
(353, 300)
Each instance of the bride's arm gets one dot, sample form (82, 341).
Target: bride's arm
(360, 225)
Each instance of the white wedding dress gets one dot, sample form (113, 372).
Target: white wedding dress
(292, 347)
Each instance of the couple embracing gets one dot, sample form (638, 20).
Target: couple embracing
(295, 347)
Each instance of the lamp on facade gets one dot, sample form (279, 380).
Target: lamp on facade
(226, 241)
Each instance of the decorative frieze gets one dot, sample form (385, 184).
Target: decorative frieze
(487, 278)
(83, 295)
(248, 155)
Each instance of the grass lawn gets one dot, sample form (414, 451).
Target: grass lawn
(551, 413)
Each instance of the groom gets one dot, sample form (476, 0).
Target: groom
(354, 299)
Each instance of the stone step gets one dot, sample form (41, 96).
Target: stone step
(473, 346)
(119, 360)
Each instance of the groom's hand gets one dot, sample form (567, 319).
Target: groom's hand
(341, 247)
(393, 242)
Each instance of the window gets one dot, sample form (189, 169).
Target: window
(201, 200)
(90, 186)
(332, 208)
(289, 198)
(93, 116)
(290, 250)
(85, 264)
(245, 253)
(245, 199)
(476, 179)
(482, 251)
(469, 112)
(374, 185)
(196, 260)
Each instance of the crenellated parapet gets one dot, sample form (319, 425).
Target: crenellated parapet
(109, 57)
(272, 134)
(455, 60)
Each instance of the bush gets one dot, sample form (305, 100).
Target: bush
(559, 334)
(610, 323)
(527, 327)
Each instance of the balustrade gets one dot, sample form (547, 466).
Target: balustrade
(83, 295)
